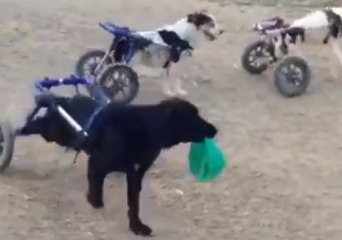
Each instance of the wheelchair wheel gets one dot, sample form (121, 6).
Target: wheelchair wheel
(292, 77)
(87, 63)
(7, 138)
(256, 57)
(120, 83)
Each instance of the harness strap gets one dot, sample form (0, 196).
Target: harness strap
(92, 117)
(88, 125)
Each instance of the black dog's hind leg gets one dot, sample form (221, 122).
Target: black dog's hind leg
(96, 179)
(134, 186)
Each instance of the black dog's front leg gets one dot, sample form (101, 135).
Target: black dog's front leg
(95, 184)
(134, 185)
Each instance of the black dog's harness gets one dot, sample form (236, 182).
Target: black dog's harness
(87, 127)
(92, 118)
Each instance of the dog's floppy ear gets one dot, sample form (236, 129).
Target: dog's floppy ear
(172, 105)
(191, 18)
(177, 105)
(172, 102)
(198, 18)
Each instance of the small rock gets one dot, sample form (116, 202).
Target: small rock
(29, 198)
(236, 66)
(179, 192)
(205, 80)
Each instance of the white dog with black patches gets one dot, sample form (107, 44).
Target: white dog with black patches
(328, 18)
(175, 42)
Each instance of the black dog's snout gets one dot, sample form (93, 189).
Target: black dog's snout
(211, 131)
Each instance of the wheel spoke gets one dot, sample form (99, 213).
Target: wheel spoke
(123, 93)
(90, 66)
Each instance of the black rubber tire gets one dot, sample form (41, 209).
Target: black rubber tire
(96, 53)
(245, 58)
(284, 86)
(7, 147)
(111, 92)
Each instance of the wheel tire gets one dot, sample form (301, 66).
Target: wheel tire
(246, 55)
(281, 81)
(7, 138)
(83, 60)
(111, 91)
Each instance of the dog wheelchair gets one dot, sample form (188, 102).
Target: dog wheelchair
(292, 75)
(45, 99)
(114, 62)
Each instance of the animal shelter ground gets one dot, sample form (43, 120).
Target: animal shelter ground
(285, 168)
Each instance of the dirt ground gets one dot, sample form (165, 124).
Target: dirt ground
(285, 168)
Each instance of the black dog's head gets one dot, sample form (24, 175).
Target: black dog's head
(184, 123)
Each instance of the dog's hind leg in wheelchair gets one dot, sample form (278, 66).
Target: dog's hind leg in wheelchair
(31, 126)
(50, 126)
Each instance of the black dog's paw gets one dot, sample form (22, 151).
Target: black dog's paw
(94, 201)
(141, 229)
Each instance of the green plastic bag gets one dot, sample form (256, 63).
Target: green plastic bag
(206, 160)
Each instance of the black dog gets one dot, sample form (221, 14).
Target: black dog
(124, 139)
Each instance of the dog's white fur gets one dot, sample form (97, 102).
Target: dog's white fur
(157, 54)
(313, 20)
(317, 20)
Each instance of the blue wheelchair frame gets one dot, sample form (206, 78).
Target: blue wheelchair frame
(120, 33)
(135, 42)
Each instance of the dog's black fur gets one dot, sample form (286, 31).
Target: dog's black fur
(199, 19)
(177, 45)
(292, 34)
(125, 139)
(335, 25)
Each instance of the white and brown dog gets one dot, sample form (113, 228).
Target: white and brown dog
(172, 43)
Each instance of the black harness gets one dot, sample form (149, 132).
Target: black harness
(177, 46)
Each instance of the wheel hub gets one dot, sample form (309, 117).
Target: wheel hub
(116, 83)
(259, 56)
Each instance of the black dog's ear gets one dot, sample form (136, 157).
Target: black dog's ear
(172, 102)
(168, 111)
(171, 107)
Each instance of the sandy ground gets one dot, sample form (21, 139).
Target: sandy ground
(285, 167)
